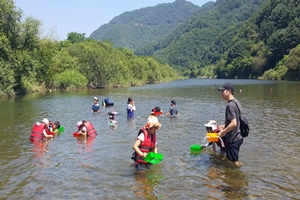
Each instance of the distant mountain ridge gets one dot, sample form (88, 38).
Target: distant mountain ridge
(146, 25)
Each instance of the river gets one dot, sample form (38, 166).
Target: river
(68, 168)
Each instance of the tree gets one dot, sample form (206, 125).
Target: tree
(75, 37)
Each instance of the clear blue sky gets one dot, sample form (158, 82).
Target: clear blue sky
(65, 16)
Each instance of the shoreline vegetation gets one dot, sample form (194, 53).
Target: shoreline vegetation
(32, 63)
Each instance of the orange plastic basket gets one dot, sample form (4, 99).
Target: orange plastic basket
(212, 137)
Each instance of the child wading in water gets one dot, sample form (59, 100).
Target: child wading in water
(145, 143)
(212, 127)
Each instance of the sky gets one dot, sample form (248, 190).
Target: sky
(60, 17)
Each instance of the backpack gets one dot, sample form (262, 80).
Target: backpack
(244, 125)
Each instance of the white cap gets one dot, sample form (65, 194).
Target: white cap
(45, 120)
(212, 124)
(78, 124)
(96, 98)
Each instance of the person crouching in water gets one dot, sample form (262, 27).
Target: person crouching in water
(156, 111)
(40, 130)
(212, 127)
(112, 117)
(145, 143)
(86, 128)
(54, 127)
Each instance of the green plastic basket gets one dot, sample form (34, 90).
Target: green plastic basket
(195, 148)
(61, 128)
(154, 158)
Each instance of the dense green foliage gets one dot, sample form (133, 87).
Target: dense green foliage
(262, 43)
(29, 63)
(145, 25)
(202, 40)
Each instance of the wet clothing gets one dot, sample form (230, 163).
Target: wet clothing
(232, 150)
(91, 132)
(148, 145)
(107, 102)
(96, 107)
(130, 111)
(37, 132)
(173, 111)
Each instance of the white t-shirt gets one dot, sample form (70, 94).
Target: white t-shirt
(142, 138)
(131, 107)
(83, 129)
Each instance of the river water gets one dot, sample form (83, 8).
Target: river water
(69, 168)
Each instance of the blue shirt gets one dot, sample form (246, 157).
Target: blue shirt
(96, 108)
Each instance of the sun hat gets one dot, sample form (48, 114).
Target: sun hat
(45, 120)
(212, 124)
(96, 99)
(152, 121)
(226, 86)
(78, 124)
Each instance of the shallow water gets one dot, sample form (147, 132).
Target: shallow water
(68, 168)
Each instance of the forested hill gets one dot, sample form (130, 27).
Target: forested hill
(201, 40)
(145, 25)
(270, 41)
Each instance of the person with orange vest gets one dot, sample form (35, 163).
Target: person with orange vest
(40, 130)
(145, 142)
(156, 111)
(212, 127)
(86, 128)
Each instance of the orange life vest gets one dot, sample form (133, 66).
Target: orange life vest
(37, 131)
(148, 145)
(91, 132)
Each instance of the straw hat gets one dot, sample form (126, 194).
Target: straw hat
(152, 121)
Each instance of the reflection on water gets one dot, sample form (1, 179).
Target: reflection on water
(85, 143)
(146, 180)
(78, 168)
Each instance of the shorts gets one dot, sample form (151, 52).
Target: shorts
(232, 151)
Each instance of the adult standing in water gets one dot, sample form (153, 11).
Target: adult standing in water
(130, 108)
(231, 129)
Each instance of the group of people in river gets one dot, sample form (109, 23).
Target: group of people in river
(229, 133)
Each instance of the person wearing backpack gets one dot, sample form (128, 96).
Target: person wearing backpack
(231, 129)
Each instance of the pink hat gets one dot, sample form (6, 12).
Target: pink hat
(78, 124)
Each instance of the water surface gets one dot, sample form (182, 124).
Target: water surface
(67, 168)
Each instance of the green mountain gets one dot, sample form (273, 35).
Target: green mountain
(146, 25)
(202, 39)
(267, 44)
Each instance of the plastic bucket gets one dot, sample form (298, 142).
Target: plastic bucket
(50, 133)
(76, 134)
(154, 158)
(195, 148)
(212, 137)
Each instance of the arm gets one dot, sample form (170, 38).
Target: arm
(46, 135)
(136, 148)
(83, 131)
(229, 128)
(155, 149)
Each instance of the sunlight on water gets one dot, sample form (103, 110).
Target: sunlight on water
(72, 168)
